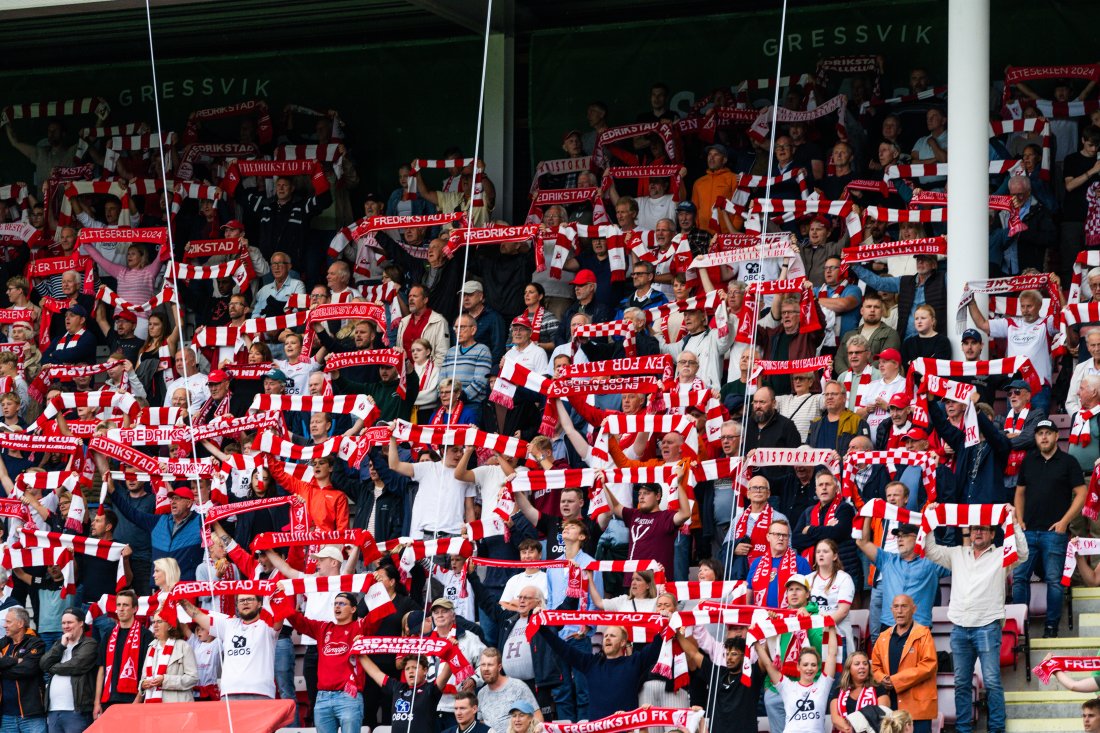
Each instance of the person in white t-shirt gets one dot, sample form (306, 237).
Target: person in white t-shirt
(529, 551)
(805, 701)
(296, 367)
(248, 648)
(874, 400)
(1027, 335)
(443, 504)
(833, 590)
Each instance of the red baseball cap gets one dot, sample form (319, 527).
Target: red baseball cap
(182, 492)
(233, 224)
(889, 355)
(521, 320)
(899, 400)
(217, 376)
(584, 277)
(916, 434)
(124, 315)
(823, 220)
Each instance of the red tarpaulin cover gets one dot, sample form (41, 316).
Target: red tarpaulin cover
(251, 716)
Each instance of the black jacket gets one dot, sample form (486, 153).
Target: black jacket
(284, 227)
(543, 659)
(979, 469)
(841, 533)
(21, 663)
(81, 668)
(391, 503)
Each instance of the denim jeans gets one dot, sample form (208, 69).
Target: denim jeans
(15, 724)
(875, 615)
(284, 671)
(571, 696)
(682, 557)
(337, 711)
(777, 714)
(1048, 549)
(982, 643)
(68, 721)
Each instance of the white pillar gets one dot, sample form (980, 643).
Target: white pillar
(497, 138)
(968, 151)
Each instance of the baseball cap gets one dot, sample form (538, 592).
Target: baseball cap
(1045, 425)
(521, 320)
(822, 220)
(332, 552)
(276, 374)
(800, 579)
(233, 224)
(442, 603)
(899, 400)
(1018, 384)
(79, 310)
(916, 434)
(889, 355)
(123, 315)
(686, 206)
(217, 376)
(471, 286)
(972, 334)
(570, 134)
(182, 492)
(521, 706)
(904, 529)
(23, 324)
(584, 277)
(720, 148)
(376, 198)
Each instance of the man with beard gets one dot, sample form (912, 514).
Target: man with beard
(769, 429)
(653, 531)
(248, 648)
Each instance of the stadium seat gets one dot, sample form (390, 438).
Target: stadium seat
(1016, 638)
(861, 620)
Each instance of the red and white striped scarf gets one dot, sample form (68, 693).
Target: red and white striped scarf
(625, 329)
(879, 509)
(121, 401)
(369, 224)
(1078, 546)
(329, 153)
(678, 718)
(709, 303)
(617, 424)
(63, 108)
(969, 515)
(156, 665)
(373, 312)
(731, 591)
(543, 200)
(197, 248)
(1081, 434)
(838, 105)
(464, 435)
(253, 107)
(768, 628)
(420, 164)
(102, 549)
(644, 173)
(111, 298)
(926, 460)
(646, 625)
(611, 233)
(240, 270)
(870, 252)
(625, 132)
(131, 657)
(761, 578)
(16, 556)
(994, 367)
(192, 190)
(386, 357)
(494, 235)
(142, 143)
(357, 405)
(960, 392)
(417, 550)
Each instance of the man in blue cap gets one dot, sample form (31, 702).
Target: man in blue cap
(77, 344)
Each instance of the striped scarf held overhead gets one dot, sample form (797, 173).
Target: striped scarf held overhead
(969, 515)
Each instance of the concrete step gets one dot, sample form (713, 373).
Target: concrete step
(1086, 600)
(1088, 624)
(1044, 702)
(1067, 646)
(1043, 725)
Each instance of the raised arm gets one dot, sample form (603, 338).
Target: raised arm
(980, 321)
(396, 464)
(765, 660)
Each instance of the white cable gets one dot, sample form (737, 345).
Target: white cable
(176, 294)
(746, 414)
(465, 265)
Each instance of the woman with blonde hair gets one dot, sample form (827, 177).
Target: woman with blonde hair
(927, 343)
(522, 719)
(427, 374)
(170, 672)
(899, 721)
(166, 573)
(857, 693)
(833, 589)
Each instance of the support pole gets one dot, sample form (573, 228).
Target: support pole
(500, 120)
(968, 152)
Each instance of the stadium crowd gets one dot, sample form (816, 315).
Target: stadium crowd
(636, 458)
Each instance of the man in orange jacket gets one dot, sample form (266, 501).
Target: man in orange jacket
(717, 181)
(904, 663)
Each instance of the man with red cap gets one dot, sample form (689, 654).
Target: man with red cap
(529, 354)
(893, 435)
(916, 439)
(584, 287)
(177, 535)
(121, 337)
(220, 402)
(817, 249)
(874, 403)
